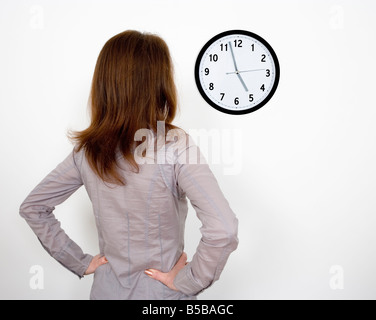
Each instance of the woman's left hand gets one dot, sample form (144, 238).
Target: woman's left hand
(96, 262)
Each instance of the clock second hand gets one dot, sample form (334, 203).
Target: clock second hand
(245, 71)
(236, 68)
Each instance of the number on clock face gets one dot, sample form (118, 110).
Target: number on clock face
(237, 72)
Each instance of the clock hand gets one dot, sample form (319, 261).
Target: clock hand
(236, 67)
(233, 57)
(244, 71)
(242, 81)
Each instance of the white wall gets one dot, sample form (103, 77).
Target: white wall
(304, 181)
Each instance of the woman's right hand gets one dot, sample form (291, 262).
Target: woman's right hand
(167, 278)
(96, 262)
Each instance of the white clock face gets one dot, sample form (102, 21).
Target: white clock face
(237, 72)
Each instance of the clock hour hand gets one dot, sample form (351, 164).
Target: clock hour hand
(236, 67)
(242, 81)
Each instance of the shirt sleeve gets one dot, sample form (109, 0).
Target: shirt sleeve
(37, 210)
(219, 223)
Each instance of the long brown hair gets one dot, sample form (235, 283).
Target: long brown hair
(132, 88)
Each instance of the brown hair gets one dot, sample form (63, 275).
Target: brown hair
(132, 88)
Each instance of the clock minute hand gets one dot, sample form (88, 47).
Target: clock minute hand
(233, 57)
(236, 67)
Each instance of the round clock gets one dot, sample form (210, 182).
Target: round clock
(237, 72)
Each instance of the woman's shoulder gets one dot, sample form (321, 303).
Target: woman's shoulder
(78, 155)
(182, 147)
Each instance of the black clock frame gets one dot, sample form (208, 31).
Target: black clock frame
(197, 72)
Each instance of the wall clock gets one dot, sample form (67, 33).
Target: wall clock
(237, 72)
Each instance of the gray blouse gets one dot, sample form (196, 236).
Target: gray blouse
(140, 225)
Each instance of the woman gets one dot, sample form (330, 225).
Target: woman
(138, 170)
